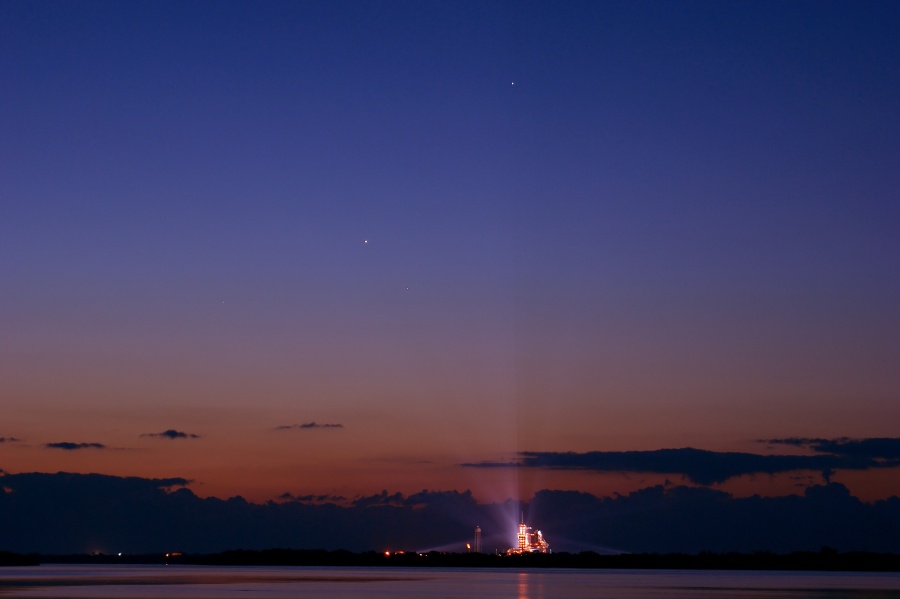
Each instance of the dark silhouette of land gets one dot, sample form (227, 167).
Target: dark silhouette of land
(8, 558)
(825, 560)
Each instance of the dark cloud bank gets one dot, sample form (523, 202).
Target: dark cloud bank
(89, 512)
(709, 467)
(885, 448)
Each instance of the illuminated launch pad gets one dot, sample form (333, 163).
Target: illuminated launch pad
(528, 541)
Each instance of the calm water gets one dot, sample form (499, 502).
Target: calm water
(198, 582)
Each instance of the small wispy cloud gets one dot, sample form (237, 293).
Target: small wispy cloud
(171, 434)
(9, 440)
(69, 446)
(312, 499)
(307, 426)
(403, 460)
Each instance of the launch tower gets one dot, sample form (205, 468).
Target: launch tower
(528, 542)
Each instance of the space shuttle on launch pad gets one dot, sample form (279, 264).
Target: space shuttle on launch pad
(527, 541)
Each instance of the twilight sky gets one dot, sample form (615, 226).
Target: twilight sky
(333, 248)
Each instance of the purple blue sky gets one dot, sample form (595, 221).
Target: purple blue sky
(454, 231)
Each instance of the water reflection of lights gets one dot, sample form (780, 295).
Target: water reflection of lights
(529, 586)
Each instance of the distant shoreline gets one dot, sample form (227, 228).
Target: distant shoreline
(824, 560)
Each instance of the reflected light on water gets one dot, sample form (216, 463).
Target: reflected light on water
(522, 581)
(210, 582)
(530, 585)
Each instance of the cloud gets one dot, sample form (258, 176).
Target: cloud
(408, 460)
(69, 446)
(886, 448)
(380, 499)
(306, 426)
(172, 434)
(698, 465)
(9, 440)
(313, 499)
